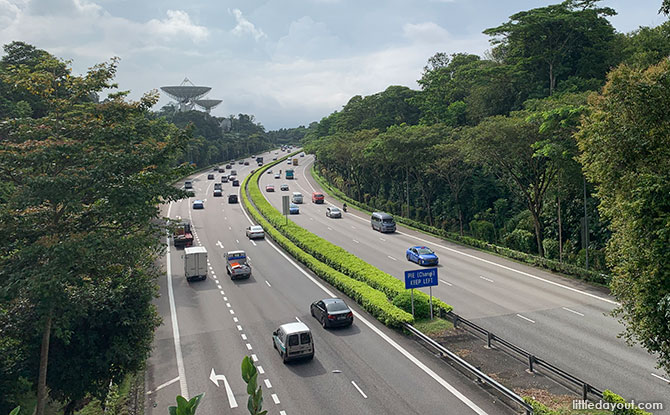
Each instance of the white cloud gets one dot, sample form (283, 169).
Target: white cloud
(245, 27)
(307, 38)
(177, 23)
(427, 32)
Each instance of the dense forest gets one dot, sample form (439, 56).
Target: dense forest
(555, 143)
(217, 139)
(485, 148)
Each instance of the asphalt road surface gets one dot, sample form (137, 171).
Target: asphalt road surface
(564, 321)
(209, 326)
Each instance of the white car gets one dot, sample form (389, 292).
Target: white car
(277, 176)
(255, 231)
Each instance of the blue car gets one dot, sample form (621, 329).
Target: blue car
(198, 204)
(421, 255)
(293, 209)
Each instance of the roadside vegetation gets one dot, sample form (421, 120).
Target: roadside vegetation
(82, 181)
(552, 150)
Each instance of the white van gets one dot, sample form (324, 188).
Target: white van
(293, 341)
(195, 263)
(297, 197)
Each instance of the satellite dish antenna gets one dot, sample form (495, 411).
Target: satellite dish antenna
(207, 104)
(185, 94)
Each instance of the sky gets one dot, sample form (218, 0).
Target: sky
(287, 62)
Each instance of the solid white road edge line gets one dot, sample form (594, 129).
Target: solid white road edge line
(168, 383)
(386, 338)
(175, 325)
(660, 377)
(359, 389)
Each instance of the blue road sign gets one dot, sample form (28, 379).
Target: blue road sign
(420, 278)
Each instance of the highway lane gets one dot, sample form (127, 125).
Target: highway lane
(559, 319)
(354, 371)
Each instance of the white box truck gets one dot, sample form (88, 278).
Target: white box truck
(195, 263)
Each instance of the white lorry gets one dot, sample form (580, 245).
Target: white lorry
(195, 263)
(237, 265)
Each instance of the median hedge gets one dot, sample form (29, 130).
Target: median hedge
(372, 300)
(534, 260)
(332, 255)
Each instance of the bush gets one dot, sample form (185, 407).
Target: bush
(611, 397)
(483, 229)
(421, 304)
(538, 407)
(551, 248)
(520, 240)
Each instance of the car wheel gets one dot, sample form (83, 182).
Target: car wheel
(311, 311)
(284, 357)
(324, 322)
(407, 257)
(274, 344)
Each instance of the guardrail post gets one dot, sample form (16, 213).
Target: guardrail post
(489, 337)
(531, 360)
(455, 320)
(585, 390)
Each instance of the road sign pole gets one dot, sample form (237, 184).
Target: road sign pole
(411, 294)
(430, 289)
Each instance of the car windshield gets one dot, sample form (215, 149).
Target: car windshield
(335, 210)
(424, 251)
(336, 306)
(256, 228)
(387, 220)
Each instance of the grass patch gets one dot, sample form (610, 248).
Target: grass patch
(433, 328)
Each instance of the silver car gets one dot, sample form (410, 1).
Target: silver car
(333, 212)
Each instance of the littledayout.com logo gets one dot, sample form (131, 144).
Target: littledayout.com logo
(613, 406)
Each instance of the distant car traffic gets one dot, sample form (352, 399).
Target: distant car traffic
(293, 209)
(198, 204)
(269, 188)
(277, 176)
(218, 193)
(240, 162)
(317, 197)
(217, 186)
(302, 154)
(332, 312)
(236, 183)
(333, 212)
(269, 171)
(274, 158)
(232, 198)
(224, 179)
(255, 231)
(188, 184)
(210, 177)
(246, 163)
(283, 187)
(228, 166)
(421, 255)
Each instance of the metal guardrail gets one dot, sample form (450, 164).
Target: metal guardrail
(533, 361)
(470, 368)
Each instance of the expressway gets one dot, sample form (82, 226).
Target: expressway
(209, 326)
(559, 319)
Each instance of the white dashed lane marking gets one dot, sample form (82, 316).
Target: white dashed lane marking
(275, 398)
(525, 318)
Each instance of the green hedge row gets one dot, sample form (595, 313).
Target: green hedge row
(372, 300)
(611, 397)
(550, 264)
(331, 254)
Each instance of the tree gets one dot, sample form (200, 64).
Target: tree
(625, 144)
(451, 166)
(509, 146)
(665, 7)
(80, 216)
(557, 41)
